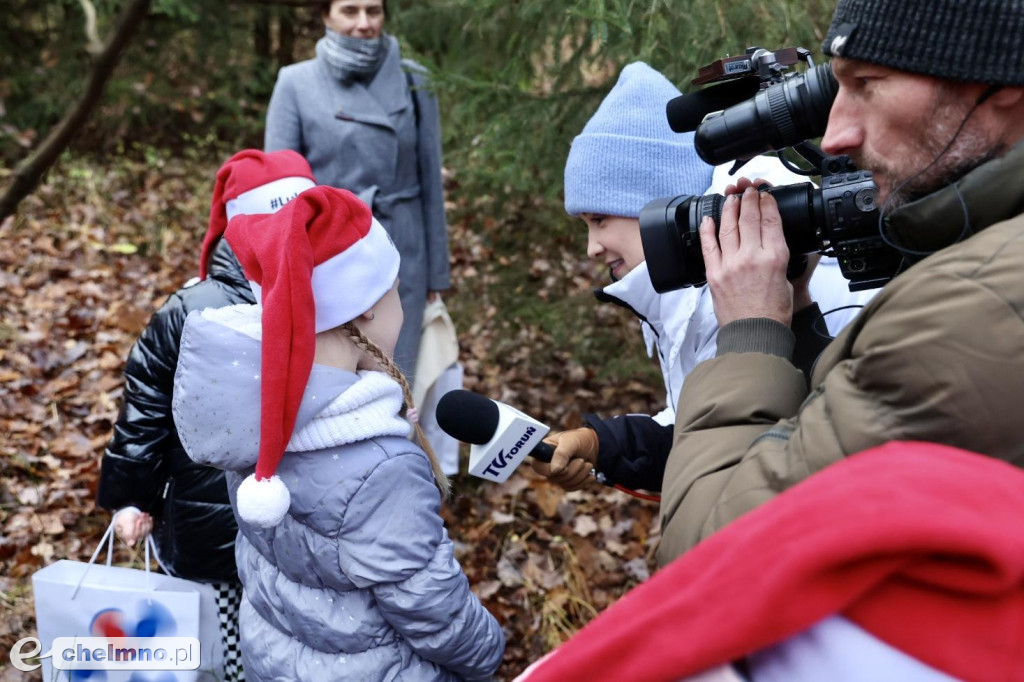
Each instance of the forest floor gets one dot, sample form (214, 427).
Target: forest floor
(96, 250)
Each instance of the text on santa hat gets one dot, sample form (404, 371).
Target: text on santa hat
(278, 202)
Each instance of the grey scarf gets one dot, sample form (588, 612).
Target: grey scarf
(351, 58)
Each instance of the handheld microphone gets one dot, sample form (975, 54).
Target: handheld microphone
(688, 111)
(500, 436)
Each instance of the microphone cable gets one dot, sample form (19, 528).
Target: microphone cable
(643, 496)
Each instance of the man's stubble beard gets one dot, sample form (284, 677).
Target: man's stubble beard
(926, 172)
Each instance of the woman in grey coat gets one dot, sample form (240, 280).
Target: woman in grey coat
(360, 115)
(347, 569)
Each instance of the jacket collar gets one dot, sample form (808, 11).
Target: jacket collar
(987, 195)
(224, 266)
(373, 102)
(668, 316)
(635, 292)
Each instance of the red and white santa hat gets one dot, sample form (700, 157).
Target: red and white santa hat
(253, 182)
(931, 563)
(319, 262)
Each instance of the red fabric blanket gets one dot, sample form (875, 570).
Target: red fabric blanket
(920, 544)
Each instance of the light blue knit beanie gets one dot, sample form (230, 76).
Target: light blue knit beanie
(628, 155)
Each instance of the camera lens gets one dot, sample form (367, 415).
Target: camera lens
(670, 231)
(671, 242)
(781, 115)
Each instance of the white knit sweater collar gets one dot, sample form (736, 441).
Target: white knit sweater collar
(367, 409)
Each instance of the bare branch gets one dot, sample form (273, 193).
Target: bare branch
(95, 46)
(29, 171)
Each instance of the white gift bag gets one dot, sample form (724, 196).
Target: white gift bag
(437, 372)
(85, 599)
(445, 447)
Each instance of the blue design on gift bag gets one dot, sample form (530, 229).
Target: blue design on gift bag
(154, 620)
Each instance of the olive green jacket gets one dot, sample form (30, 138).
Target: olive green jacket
(937, 355)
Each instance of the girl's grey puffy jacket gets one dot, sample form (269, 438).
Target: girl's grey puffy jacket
(359, 581)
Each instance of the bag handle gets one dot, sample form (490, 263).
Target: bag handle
(108, 538)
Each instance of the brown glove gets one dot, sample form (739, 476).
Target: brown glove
(574, 459)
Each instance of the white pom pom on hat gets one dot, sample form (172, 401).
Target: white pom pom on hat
(263, 503)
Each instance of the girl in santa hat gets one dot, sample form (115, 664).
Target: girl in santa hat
(347, 570)
(146, 478)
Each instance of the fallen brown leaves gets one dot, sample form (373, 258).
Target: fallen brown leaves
(72, 300)
(99, 247)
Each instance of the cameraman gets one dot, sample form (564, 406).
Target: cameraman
(930, 100)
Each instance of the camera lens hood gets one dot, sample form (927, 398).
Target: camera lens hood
(674, 258)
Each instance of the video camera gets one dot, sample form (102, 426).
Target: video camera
(758, 106)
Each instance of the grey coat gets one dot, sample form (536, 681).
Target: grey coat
(379, 141)
(359, 581)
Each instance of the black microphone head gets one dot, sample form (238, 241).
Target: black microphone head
(468, 417)
(686, 112)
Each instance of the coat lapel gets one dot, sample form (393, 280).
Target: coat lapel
(373, 103)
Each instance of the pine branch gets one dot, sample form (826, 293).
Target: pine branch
(285, 3)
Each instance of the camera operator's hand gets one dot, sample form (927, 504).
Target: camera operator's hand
(743, 183)
(574, 458)
(801, 285)
(746, 262)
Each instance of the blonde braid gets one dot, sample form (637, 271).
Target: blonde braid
(389, 366)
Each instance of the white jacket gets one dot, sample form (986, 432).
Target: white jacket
(681, 325)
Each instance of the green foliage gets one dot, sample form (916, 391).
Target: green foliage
(519, 79)
(191, 70)
(31, 39)
(181, 11)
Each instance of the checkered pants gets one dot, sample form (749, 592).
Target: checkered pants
(229, 599)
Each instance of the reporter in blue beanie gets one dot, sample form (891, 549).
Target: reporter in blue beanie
(626, 156)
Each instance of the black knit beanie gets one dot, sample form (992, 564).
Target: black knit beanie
(977, 41)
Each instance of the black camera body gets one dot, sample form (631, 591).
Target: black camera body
(840, 218)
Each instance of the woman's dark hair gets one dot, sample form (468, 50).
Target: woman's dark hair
(324, 7)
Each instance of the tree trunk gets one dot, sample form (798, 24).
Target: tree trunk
(286, 36)
(261, 34)
(29, 171)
